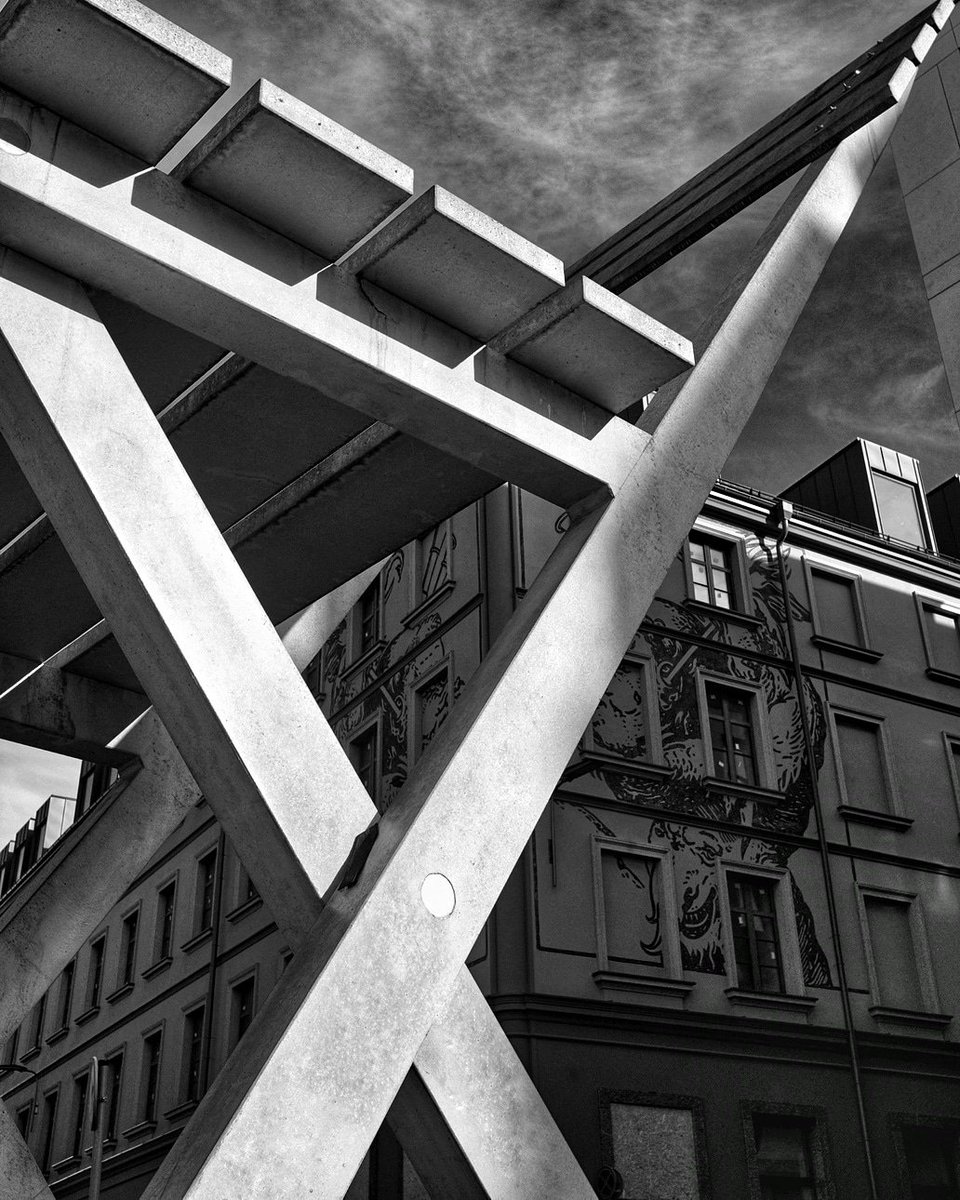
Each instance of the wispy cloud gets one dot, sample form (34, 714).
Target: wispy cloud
(27, 778)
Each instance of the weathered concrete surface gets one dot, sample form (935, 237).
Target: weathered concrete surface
(186, 258)
(336, 187)
(452, 260)
(113, 66)
(927, 152)
(596, 344)
(501, 751)
(254, 738)
(20, 1177)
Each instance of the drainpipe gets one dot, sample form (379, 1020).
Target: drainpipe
(781, 515)
(214, 951)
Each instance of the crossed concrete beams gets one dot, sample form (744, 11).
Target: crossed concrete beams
(378, 985)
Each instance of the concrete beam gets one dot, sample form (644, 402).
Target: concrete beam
(68, 714)
(113, 66)
(450, 259)
(596, 344)
(188, 259)
(19, 1174)
(252, 735)
(502, 749)
(336, 186)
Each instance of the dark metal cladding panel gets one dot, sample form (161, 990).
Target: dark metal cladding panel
(944, 505)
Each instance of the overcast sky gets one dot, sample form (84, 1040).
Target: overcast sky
(564, 120)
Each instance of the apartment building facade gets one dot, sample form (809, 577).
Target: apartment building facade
(726, 956)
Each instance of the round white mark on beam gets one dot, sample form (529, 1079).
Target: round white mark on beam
(438, 896)
(13, 137)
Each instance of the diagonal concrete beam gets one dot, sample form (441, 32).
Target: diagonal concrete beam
(89, 211)
(20, 1176)
(238, 711)
(473, 799)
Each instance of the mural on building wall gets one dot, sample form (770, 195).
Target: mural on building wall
(620, 728)
(408, 708)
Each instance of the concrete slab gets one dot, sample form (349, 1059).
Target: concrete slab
(114, 67)
(336, 187)
(455, 262)
(925, 141)
(935, 217)
(943, 277)
(596, 344)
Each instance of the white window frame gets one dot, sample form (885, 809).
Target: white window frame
(921, 957)
(667, 980)
(651, 714)
(896, 817)
(820, 636)
(795, 996)
(741, 602)
(414, 687)
(766, 766)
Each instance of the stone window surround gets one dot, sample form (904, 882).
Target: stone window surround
(414, 686)
(763, 742)
(896, 818)
(924, 605)
(741, 602)
(819, 1148)
(642, 660)
(820, 636)
(669, 981)
(607, 1097)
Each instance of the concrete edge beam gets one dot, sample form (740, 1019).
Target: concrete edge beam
(337, 187)
(114, 67)
(453, 261)
(593, 342)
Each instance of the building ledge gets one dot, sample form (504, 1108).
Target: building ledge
(138, 1130)
(742, 791)
(248, 906)
(30, 1053)
(58, 1035)
(943, 676)
(785, 1004)
(367, 657)
(67, 1164)
(87, 1015)
(908, 1016)
(726, 614)
(181, 1110)
(672, 992)
(852, 651)
(160, 965)
(197, 940)
(869, 816)
(123, 990)
(416, 615)
(626, 766)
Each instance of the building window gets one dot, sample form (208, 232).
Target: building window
(899, 966)
(364, 754)
(837, 609)
(760, 943)
(23, 1120)
(128, 947)
(865, 776)
(638, 943)
(66, 994)
(941, 640)
(656, 1143)
(367, 620)
(79, 1113)
(733, 754)
(432, 556)
(930, 1160)
(898, 506)
(36, 1028)
(95, 977)
(11, 1047)
(430, 707)
(241, 1008)
(47, 1130)
(114, 1072)
(626, 725)
(151, 1074)
(712, 571)
(95, 778)
(756, 941)
(786, 1153)
(166, 907)
(193, 1053)
(246, 889)
(206, 881)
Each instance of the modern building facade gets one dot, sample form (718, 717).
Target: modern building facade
(727, 955)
